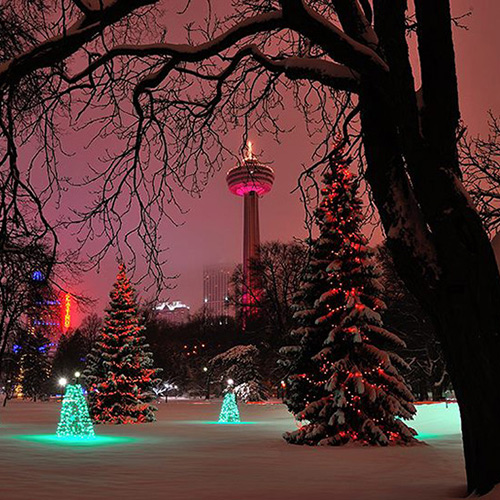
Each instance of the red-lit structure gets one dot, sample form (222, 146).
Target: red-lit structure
(251, 180)
(67, 311)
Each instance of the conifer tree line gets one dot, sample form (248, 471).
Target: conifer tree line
(344, 381)
(183, 351)
(342, 363)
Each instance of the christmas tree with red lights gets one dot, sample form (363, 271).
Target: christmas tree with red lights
(344, 383)
(120, 375)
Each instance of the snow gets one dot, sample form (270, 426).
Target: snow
(495, 243)
(492, 495)
(186, 455)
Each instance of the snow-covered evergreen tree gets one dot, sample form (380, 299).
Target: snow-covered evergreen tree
(240, 363)
(251, 391)
(120, 375)
(344, 384)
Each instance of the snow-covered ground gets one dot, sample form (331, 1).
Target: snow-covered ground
(186, 455)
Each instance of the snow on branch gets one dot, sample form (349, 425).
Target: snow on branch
(355, 22)
(191, 53)
(61, 46)
(337, 44)
(298, 68)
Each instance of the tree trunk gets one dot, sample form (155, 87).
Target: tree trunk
(439, 246)
(463, 299)
(467, 331)
(437, 393)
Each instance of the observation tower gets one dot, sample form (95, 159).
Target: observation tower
(251, 180)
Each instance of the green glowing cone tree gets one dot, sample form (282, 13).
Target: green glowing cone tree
(229, 413)
(120, 375)
(75, 421)
(344, 383)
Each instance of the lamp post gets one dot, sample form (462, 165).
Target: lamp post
(62, 382)
(209, 376)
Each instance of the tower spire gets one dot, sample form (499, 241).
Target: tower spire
(249, 155)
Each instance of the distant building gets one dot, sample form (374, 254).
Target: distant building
(45, 311)
(174, 312)
(216, 289)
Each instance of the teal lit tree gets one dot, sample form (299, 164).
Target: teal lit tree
(229, 413)
(75, 421)
(120, 375)
(344, 383)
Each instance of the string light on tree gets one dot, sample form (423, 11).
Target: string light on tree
(344, 385)
(75, 420)
(120, 375)
(229, 413)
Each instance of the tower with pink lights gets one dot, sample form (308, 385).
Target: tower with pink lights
(251, 180)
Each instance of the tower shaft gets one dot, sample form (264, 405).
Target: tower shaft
(251, 242)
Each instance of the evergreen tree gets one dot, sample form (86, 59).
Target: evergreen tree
(70, 356)
(229, 413)
(35, 365)
(75, 421)
(120, 375)
(344, 383)
(241, 364)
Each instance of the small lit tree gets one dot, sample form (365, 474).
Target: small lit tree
(75, 421)
(120, 375)
(229, 413)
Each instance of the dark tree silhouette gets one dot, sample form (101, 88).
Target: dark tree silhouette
(18, 288)
(35, 366)
(404, 315)
(480, 157)
(278, 271)
(70, 356)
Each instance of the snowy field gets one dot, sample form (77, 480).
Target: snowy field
(186, 455)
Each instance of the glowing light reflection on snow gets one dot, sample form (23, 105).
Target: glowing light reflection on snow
(52, 439)
(216, 422)
(436, 421)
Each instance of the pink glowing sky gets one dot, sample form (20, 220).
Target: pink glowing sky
(211, 232)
